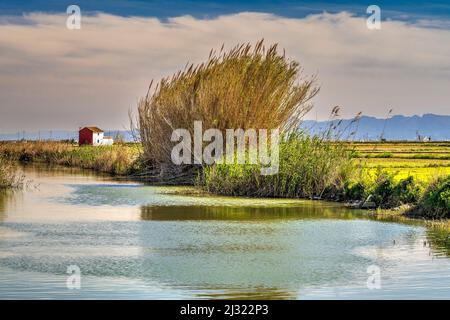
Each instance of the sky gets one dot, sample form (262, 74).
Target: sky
(55, 78)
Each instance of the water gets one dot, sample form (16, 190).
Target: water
(132, 241)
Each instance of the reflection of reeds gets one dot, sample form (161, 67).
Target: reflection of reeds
(313, 210)
(438, 235)
(246, 87)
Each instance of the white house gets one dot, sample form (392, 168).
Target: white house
(93, 136)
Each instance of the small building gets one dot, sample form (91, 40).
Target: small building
(93, 136)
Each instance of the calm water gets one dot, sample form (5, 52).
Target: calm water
(133, 241)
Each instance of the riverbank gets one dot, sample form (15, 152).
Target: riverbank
(119, 159)
(403, 213)
(349, 177)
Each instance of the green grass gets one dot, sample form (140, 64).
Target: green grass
(308, 167)
(423, 161)
(312, 167)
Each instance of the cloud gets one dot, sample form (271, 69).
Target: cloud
(52, 77)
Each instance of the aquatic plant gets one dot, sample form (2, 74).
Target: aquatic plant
(309, 167)
(246, 87)
(9, 175)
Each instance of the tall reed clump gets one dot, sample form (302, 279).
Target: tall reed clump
(309, 167)
(9, 176)
(245, 87)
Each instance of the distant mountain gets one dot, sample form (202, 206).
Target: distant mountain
(60, 135)
(436, 127)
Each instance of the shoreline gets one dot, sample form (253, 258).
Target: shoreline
(122, 161)
(399, 213)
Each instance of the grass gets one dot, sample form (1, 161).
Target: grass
(120, 159)
(419, 170)
(9, 176)
(312, 167)
(425, 161)
(309, 167)
(247, 87)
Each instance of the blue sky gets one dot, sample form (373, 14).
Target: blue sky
(399, 9)
(64, 79)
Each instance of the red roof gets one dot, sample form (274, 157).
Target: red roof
(93, 129)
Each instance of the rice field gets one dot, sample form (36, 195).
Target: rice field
(422, 160)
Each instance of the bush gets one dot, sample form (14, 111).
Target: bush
(435, 203)
(247, 87)
(9, 177)
(354, 191)
(408, 191)
(383, 189)
(309, 167)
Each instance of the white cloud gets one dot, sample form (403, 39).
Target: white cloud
(52, 77)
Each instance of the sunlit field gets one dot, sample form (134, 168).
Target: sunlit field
(422, 160)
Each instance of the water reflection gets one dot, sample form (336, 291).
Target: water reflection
(439, 240)
(3, 195)
(258, 213)
(259, 293)
(137, 241)
(7, 198)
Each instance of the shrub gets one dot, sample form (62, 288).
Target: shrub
(408, 191)
(246, 87)
(383, 189)
(435, 202)
(354, 190)
(9, 176)
(309, 167)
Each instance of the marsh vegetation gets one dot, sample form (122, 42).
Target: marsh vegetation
(10, 178)
(119, 159)
(247, 87)
(257, 87)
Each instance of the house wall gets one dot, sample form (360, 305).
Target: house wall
(85, 137)
(97, 138)
(106, 142)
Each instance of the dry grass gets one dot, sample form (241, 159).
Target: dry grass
(246, 87)
(10, 178)
(118, 159)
